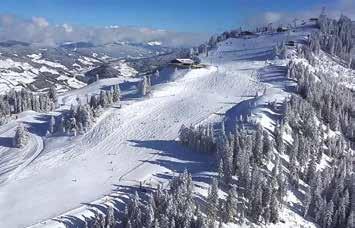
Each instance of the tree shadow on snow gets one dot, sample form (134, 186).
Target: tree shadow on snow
(6, 142)
(70, 221)
(274, 115)
(129, 91)
(233, 115)
(276, 75)
(40, 126)
(256, 56)
(121, 196)
(172, 156)
(297, 207)
(178, 158)
(133, 95)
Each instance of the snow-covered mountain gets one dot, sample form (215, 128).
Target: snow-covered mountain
(118, 50)
(37, 68)
(266, 113)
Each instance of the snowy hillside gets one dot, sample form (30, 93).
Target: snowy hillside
(253, 88)
(24, 65)
(42, 69)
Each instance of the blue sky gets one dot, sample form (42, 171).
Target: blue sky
(174, 23)
(208, 16)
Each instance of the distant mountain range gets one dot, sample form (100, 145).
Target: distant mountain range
(65, 65)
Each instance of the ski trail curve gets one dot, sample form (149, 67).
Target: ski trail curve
(35, 150)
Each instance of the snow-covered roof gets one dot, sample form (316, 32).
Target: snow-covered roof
(185, 61)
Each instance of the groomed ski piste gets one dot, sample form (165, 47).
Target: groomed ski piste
(54, 179)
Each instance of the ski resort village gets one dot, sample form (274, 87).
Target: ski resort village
(251, 127)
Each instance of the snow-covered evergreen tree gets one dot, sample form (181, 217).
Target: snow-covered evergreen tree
(212, 203)
(307, 201)
(258, 145)
(279, 139)
(110, 217)
(103, 100)
(52, 125)
(143, 87)
(116, 94)
(21, 137)
(328, 215)
(231, 205)
(274, 208)
(267, 146)
(53, 94)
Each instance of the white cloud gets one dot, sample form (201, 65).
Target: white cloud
(40, 22)
(39, 30)
(67, 28)
(272, 17)
(113, 27)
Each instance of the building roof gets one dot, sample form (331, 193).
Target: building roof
(185, 61)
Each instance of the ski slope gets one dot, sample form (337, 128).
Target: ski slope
(137, 142)
(13, 160)
(125, 144)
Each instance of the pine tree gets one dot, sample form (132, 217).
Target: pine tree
(103, 99)
(274, 208)
(279, 139)
(150, 216)
(307, 201)
(109, 95)
(293, 170)
(18, 103)
(110, 217)
(227, 163)
(231, 205)
(328, 215)
(134, 212)
(256, 209)
(157, 75)
(53, 94)
(283, 186)
(212, 203)
(276, 168)
(258, 145)
(93, 102)
(21, 137)
(51, 124)
(267, 146)
(343, 207)
(318, 205)
(35, 103)
(312, 169)
(220, 171)
(96, 220)
(143, 86)
(116, 94)
(266, 201)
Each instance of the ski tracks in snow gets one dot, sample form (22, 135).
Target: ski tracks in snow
(127, 143)
(20, 157)
(36, 148)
